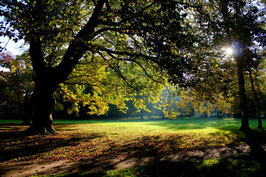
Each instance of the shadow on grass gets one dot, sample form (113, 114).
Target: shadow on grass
(227, 167)
(227, 163)
(10, 131)
(146, 160)
(17, 144)
(255, 140)
(153, 156)
(235, 166)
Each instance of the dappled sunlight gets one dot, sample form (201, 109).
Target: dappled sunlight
(109, 140)
(118, 145)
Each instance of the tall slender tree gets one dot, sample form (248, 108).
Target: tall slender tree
(236, 24)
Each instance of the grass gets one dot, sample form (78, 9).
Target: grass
(100, 141)
(190, 124)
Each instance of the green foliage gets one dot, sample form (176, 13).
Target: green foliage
(96, 85)
(116, 54)
(16, 84)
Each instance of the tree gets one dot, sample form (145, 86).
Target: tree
(242, 30)
(16, 82)
(62, 33)
(235, 24)
(253, 67)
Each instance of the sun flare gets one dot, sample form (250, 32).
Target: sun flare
(229, 51)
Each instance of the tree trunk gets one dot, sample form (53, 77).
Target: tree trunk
(141, 115)
(43, 106)
(242, 95)
(27, 109)
(163, 117)
(256, 100)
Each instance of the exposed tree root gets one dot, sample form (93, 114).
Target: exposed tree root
(43, 130)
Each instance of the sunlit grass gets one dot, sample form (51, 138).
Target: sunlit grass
(203, 125)
(110, 139)
(99, 140)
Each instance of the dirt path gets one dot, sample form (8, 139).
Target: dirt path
(21, 169)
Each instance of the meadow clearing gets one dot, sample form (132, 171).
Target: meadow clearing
(183, 147)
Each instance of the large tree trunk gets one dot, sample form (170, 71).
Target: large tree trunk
(242, 95)
(42, 121)
(43, 106)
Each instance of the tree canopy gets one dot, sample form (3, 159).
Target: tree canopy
(105, 52)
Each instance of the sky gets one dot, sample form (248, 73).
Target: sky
(12, 47)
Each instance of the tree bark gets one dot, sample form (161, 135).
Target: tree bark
(43, 106)
(242, 95)
(43, 100)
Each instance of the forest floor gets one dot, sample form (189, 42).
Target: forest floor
(186, 147)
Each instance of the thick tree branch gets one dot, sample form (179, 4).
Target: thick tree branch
(79, 45)
(35, 51)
